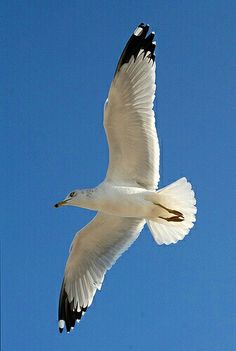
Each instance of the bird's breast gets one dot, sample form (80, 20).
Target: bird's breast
(123, 202)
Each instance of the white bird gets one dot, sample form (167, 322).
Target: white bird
(128, 197)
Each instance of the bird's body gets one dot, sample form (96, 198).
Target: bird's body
(125, 201)
(128, 197)
(122, 201)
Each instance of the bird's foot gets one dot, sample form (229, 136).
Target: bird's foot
(178, 216)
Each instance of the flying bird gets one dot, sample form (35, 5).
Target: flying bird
(128, 197)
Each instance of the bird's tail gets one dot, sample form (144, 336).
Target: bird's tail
(176, 212)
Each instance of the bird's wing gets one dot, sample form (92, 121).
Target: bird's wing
(94, 250)
(129, 118)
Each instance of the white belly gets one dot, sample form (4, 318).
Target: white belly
(124, 202)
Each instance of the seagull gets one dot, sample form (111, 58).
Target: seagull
(128, 197)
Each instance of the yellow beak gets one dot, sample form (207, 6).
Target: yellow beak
(61, 203)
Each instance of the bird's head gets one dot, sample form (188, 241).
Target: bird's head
(72, 199)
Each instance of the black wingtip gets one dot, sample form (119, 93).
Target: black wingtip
(138, 41)
(67, 314)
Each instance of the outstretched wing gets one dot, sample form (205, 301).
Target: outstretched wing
(94, 250)
(129, 118)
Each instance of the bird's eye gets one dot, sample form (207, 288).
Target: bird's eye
(72, 194)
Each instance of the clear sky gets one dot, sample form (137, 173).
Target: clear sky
(58, 59)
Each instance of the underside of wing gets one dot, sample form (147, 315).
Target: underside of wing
(94, 250)
(129, 118)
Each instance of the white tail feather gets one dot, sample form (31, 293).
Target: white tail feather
(177, 196)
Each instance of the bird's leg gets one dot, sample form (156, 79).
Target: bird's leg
(178, 216)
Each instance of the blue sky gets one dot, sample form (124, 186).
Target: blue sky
(58, 60)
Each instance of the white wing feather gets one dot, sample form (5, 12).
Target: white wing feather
(130, 125)
(94, 250)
